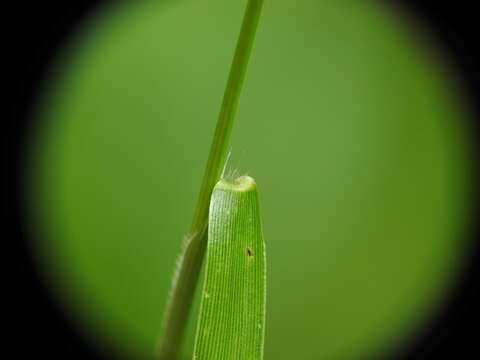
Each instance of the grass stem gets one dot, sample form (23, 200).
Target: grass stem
(193, 249)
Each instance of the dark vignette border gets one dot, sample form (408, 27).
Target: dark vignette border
(452, 28)
(40, 32)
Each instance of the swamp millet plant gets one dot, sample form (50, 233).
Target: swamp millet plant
(232, 314)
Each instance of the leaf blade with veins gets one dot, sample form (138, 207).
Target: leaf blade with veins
(232, 313)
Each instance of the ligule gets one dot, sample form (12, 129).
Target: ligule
(232, 312)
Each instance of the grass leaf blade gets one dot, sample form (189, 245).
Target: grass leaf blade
(232, 314)
(191, 258)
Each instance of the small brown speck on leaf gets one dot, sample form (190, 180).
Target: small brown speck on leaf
(249, 252)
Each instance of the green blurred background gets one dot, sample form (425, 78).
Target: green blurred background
(349, 124)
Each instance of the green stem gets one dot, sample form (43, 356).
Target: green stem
(193, 249)
(228, 110)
